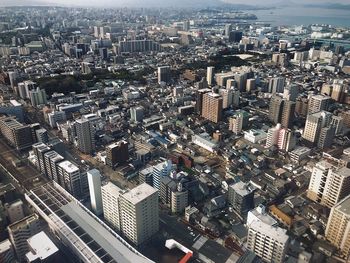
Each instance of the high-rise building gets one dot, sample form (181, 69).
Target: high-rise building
(6, 251)
(132, 46)
(338, 92)
(273, 136)
(318, 103)
(186, 25)
(55, 117)
(328, 184)
(286, 140)
(314, 123)
(139, 213)
(94, 180)
(301, 106)
(164, 74)
(236, 123)
(39, 150)
(14, 211)
(161, 170)
(70, 178)
(338, 123)
(212, 107)
(268, 242)
(291, 92)
(228, 29)
(231, 84)
(85, 132)
(241, 80)
(52, 159)
(276, 85)
(42, 249)
(287, 114)
(241, 197)
(227, 97)
(199, 99)
(338, 226)
(210, 76)
(20, 231)
(275, 109)
(326, 137)
(37, 97)
(117, 153)
(110, 202)
(136, 113)
(235, 36)
(251, 83)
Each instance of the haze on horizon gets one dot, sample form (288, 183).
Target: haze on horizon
(159, 3)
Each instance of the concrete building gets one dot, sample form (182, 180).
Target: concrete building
(268, 242)
(241, 197)
(136, 113)
(142, 45)
(37, 97)
(94, 180)
(236, 123)
(273, 136)
(55, 117)
(110, 202)
(164, 74)
(6, 251)
(42, 249)
(318, 103)
(275, 109)
(159, 171)
(276, 85)
(314, 123)
(20, 231)
(210, 76)
(70, 178)
(338, 226)
(328, 184)
(287, 114)
(199, 99)
(14, 211)
(205, 141)
(85, 132)
(139, 213)
(117, 153)
(52, 159)
(17, 134)
(212, 107)
(12, 108)
(286, 140)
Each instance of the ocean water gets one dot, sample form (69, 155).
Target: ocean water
(298, 15)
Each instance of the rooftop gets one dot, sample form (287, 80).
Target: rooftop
(41, 247)
(276, 233)
(68, 166)
(344, 206)
(139, 193)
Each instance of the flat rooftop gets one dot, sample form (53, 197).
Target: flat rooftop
(139, 193)
(41, 247)
(344, 206)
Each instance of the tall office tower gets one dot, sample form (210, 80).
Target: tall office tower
(338, 92)
(326, 89)
(52, 159)
(85, 135)
(328, 184)
(37, 97)
(212, 107)
(96, 31)
(241, 80)
(28, 86)
(136, 113)
(210, 76)
(318, 103)
(236, 96)
(291, 92)
(275, 109)
(251, 83)
(314, 123)
(338, 226)
(117, 153)
(228, 29)
(235, 36)
(42, 135)
(236, 123)
(326, 137)
(20, 231)
(276, 85)
(103, 53)
(13, 79)
(110, 203)
(6, 251)
(241, 197)
(345, 115)
(273, 136)
(338, 123)
(94, 180)
(288, 114)
(301, 106)
(199, 99)
(268, 242)
(286, 140)
(139, 213)
(231, 83)
(161, 170)
(39, 150)
(227, 97)
(69, 176)
(281, 59)
(164, 74)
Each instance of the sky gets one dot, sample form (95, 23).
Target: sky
(160, 3)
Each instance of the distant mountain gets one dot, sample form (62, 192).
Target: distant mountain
(330, 6)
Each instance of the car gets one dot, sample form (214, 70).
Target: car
(189, 228)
